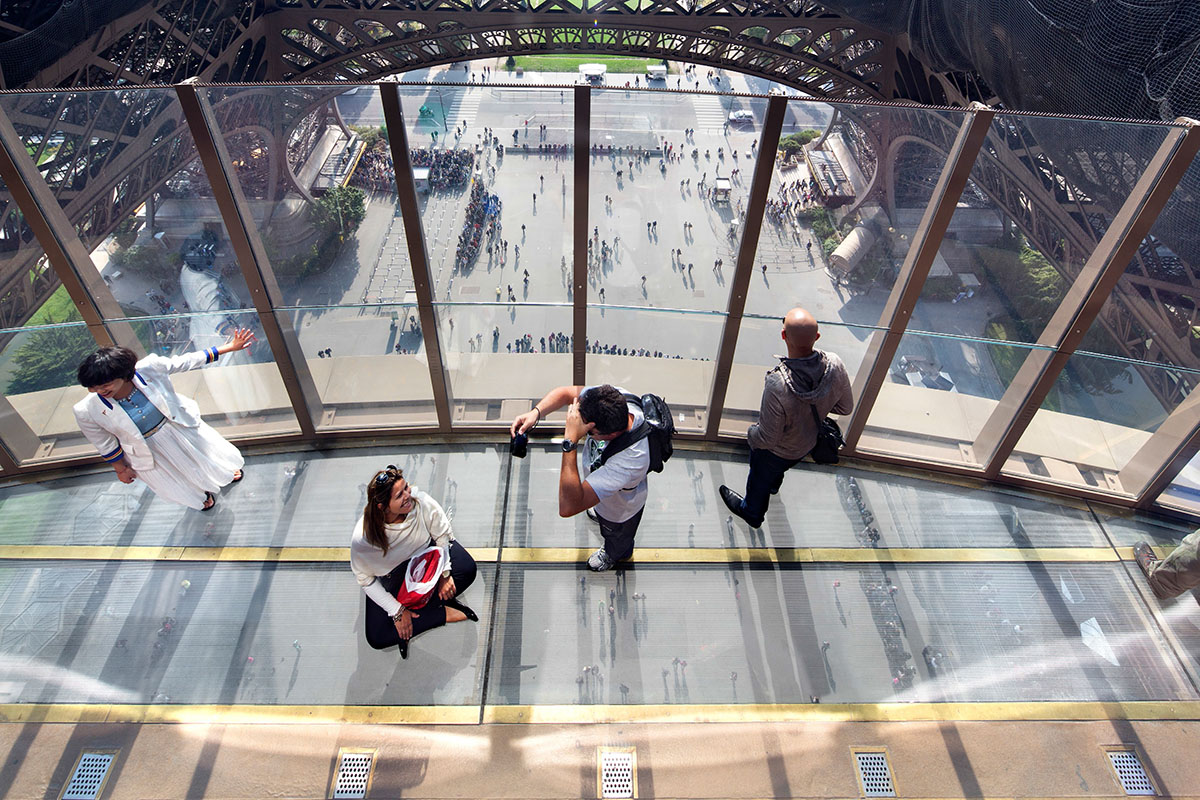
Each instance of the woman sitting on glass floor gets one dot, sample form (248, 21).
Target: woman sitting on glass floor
(399, 523)
(137, 422)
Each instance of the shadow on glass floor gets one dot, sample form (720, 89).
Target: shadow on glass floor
(216, 632)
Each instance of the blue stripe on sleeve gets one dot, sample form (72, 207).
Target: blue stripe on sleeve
(114, 455)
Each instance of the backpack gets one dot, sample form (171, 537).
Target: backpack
(657, 426)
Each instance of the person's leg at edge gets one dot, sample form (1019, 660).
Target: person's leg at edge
(618, 536)
(1179, 571)
(765, 478)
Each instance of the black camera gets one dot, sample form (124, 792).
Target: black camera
(518, 445)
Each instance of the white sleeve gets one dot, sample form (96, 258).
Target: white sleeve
(438, 523)
(390, 605)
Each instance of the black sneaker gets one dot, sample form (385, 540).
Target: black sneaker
(1144, 555)
(592, 516)
(733, 501)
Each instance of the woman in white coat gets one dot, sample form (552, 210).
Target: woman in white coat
(137, 422)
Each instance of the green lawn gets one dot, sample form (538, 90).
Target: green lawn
(58, 308)
(615, 64)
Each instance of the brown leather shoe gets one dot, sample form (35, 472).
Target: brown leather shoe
(1145, 557)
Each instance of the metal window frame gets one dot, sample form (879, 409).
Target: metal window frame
(60, 242)
(927, 240)
(1081, 306)
(251, 256)
(756, 207)
(418, 254)
(71, 263)
(582, 97)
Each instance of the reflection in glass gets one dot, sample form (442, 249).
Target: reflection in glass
(1099, 412)
(156, 248)
(321, 198)
(242, 393)
(670, 353)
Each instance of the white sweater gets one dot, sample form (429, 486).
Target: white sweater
(426, 523)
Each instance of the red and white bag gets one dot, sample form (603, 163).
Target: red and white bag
(421, 577)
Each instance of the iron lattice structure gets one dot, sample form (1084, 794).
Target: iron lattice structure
(104, 154)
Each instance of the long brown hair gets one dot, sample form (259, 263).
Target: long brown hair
(379, 496)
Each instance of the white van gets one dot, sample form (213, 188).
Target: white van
(656, 72)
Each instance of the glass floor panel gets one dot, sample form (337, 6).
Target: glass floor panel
(849, 634)
(817, 507)
(220, 633)
(259, 632)
(294, 500)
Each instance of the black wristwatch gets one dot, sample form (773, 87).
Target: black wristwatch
(568, 446)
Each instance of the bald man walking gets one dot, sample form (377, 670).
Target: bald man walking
(786, 431)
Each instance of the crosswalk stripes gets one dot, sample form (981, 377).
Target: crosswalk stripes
(709, 111)
(464, 105)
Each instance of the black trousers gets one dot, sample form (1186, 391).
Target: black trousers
(618, 536)
(381, 631)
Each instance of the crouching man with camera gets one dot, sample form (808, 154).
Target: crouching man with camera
(616, 458)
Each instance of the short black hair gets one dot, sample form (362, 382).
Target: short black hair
(107, 364)
(605, 406)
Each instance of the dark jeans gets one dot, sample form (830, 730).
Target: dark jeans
(618, 536)
(765, 478)
(381, 631)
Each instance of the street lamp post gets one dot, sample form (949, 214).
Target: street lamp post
(442, 108)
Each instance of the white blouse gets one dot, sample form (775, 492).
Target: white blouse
(426, 523)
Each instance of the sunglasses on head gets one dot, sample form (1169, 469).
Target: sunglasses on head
(387, 476)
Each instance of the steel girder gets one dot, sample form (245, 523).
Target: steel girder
(1059, 220)
(799, 44)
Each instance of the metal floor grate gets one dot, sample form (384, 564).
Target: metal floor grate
(875, 774)
(616, 773)
(89, 776)
(1130, 773)
(354, 771)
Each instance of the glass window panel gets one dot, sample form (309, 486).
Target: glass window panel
(1099, 413)
(939, 392)
(38, 365)
(498, 210)
(501, 359)
(830, 159)
(1184, 491)
(242, 393)
(758, 345)
(313, 164)
(368, 364)
(157, 243)
(670, 353)
(670, 176)
(1041, 194)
